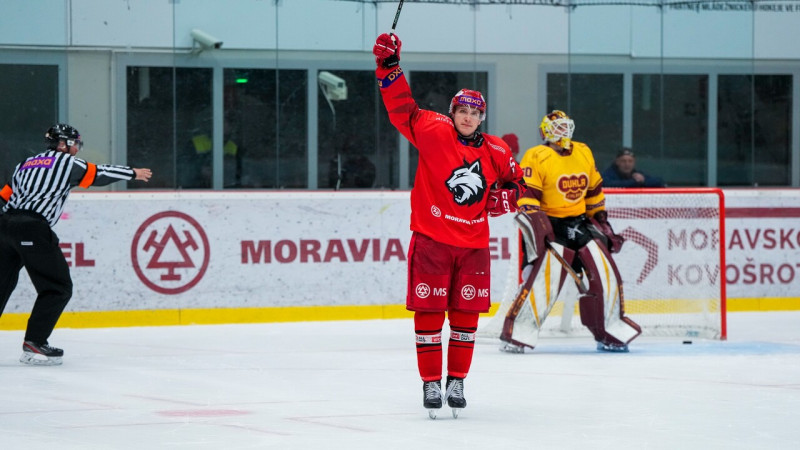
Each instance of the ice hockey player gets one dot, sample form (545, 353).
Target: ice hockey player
(462, 177)
(39, 188)
(565, 206)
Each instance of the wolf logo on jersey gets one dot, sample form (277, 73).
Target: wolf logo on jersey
(467, 183)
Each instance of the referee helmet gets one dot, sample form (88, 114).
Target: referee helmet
(62, 132)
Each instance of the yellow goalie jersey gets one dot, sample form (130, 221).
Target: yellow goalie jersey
(562, 186)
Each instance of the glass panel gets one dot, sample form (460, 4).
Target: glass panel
(170, 125)
(594, 102)
(754, 132)
(34, 102)
(434, 91)
(265, 143)
(357, 143)
(632, 72)
(670, 127)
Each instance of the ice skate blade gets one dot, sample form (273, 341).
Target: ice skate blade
(35, 359)
(612, 348)
(455, 412)
(508, 347)
(432, 413)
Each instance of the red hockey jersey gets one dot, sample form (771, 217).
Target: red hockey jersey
(454, 176)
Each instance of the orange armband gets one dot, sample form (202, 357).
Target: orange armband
(5, 193)
(91, 173)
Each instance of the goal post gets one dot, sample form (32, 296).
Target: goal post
(672, 266)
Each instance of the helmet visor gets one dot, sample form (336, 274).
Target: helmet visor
(75, 142)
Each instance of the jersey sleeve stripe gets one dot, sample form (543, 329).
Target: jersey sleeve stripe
(116, 172)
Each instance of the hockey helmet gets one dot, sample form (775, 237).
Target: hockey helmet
(470, 98)
(62, 131)
(557, 128)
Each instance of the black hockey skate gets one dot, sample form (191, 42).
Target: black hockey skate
(455, 395)
(40, 354)
(432, 397)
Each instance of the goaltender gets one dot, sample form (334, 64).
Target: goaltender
(565, 228)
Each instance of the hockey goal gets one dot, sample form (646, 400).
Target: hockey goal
(672, 266)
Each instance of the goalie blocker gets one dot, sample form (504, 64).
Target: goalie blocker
(550, 264)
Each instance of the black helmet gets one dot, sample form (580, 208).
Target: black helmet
(58, 132)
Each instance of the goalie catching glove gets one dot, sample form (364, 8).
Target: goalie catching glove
(613, 240)
(387, 50)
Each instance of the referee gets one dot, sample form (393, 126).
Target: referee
(39, 188)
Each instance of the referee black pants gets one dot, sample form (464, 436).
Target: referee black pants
(26, 240)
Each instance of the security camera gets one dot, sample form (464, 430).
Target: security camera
(332, 86)
(205, 40)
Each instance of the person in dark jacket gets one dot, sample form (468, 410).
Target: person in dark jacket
(623, 173)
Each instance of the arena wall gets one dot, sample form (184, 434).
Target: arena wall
(167, 258)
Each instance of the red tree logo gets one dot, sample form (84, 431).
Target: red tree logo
(175, 262)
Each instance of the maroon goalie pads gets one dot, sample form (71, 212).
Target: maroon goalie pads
(536, 230)
(592, 305)
(528, 276)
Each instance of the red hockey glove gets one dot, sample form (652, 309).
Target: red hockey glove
(501, 201)
(387, 50)
(600, 221)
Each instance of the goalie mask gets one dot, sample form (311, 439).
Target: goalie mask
(471, 99)
(62, 131)
(557, 128)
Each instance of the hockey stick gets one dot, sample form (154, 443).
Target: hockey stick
(396, 17)
(524, 289)
(524, 224)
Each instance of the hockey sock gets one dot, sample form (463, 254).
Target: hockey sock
(462, 342)
(428, 327)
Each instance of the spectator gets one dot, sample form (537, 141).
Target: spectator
(622, 173)
(513, 143)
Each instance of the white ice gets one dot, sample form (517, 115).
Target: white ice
(354, 385)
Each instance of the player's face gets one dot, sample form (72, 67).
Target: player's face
(626, 164)
(466, 119)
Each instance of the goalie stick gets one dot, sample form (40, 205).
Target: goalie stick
(577, 278)
(528, 278)
(525, 289)
(528, 237)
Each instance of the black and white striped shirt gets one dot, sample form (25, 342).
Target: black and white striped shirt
(42, 183)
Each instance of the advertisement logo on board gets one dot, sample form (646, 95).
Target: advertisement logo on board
(170, 252)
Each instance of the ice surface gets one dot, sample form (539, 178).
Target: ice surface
(354, 385)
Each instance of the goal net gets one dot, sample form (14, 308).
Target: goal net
(672, 266)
